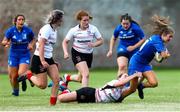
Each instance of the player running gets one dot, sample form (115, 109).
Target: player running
(85, 38)
(131, 37)
(20, 39)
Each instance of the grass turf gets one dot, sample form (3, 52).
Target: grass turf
(166, 97)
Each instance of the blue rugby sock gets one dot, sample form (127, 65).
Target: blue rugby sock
(15, 92)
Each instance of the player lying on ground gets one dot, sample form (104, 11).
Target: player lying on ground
(111, 92)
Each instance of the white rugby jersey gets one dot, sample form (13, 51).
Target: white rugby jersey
(81, 38)
(108, 95)
(48, 33)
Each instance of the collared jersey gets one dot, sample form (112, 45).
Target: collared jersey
(108, 95)
(81, 38)
(48, 33)
(147, 51)
(128, 37)
(19, 40)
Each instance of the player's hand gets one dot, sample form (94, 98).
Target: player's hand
(45, 64)
(139, 74)
(30, 47)
(109, 54)
(130, 48)
(6, 43)
(165, 54)
(66, 55)
(90, 44)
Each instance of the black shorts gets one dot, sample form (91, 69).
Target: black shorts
(36, 66)
(86, 95)
(125, 54)
(78, 57)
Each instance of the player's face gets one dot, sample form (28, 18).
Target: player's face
(59, 22)
(125, 24)
(84, 22)
(166, 38)
(20, 21)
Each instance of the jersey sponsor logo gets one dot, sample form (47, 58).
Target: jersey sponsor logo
(78, 58)
(121, 49)
(126, 34)
(126, 37)
(83, 41)
(24, 36)
(41, 68)
(14, 37)
(27, 61)
(51, 42)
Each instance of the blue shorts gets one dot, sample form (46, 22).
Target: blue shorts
(17, 58)
(135, 66)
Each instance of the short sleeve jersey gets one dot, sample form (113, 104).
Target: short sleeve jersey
(147, 51)
(81, 38)
(50, 35)
(130, 36)
(108, 95)
(19, 40)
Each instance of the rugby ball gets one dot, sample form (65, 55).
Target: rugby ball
(158, 57)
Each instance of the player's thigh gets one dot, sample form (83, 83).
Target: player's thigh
(150, 76)
(122, 61)
(68, 97)
(23, 68)
(83, 68)
(41, 78)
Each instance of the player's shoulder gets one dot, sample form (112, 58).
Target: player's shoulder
(156, 38)
(135, 26)
(46, 26)
(92, 27)
(119, 27)
(27, 28)
(11, 28)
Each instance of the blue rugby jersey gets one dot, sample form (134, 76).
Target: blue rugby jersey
(128, 37)
(19, 40)
(147, 51)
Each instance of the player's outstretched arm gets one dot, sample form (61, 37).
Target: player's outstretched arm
(125, 79)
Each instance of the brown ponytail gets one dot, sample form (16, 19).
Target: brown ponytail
(161, 25)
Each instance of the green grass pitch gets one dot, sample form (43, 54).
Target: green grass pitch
(166, 97)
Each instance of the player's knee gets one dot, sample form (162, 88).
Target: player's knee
(122, 68)
(154, 84)
(41, 85)
(14, 76)
(85, 75)
(79, 78)
(61, 98)
(132, 89)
